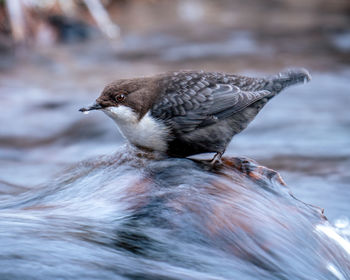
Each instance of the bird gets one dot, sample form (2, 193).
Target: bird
(184, 113)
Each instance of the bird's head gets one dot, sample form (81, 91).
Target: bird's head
(136, 95)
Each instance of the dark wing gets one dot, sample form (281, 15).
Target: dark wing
(203, 104)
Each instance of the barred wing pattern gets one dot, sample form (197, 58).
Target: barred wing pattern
(196, 103)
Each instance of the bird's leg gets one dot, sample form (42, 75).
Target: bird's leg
(216, 158)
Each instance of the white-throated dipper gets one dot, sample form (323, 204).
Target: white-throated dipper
(189, 112)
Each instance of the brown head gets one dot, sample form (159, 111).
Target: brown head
(138, 94)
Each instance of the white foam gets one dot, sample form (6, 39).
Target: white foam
(335, 272)
(331, 233)
(341, 223)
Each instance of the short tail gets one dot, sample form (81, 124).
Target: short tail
(288, 78)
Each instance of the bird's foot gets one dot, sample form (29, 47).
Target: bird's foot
(216, 158)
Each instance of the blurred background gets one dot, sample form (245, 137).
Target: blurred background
(56, 56)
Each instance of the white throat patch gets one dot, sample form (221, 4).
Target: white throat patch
(148, 132)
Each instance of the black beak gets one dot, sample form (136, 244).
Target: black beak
(94, 106)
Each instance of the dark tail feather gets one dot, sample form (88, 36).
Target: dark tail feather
(288, 78)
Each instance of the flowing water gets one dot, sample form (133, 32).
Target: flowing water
(76, 202)
(129, 215)
(149, 219)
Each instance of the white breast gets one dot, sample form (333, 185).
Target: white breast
(148, 132)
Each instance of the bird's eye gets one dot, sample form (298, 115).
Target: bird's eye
(120, 97)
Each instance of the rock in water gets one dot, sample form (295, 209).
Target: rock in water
(130, 216)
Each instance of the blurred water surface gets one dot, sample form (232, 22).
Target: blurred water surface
(77, 210)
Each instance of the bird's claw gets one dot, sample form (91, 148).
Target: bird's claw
(216, 158)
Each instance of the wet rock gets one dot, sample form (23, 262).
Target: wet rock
(134, 215)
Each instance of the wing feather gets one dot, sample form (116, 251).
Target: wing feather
(203, 103)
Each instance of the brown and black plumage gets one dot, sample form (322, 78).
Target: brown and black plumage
(189, 112)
